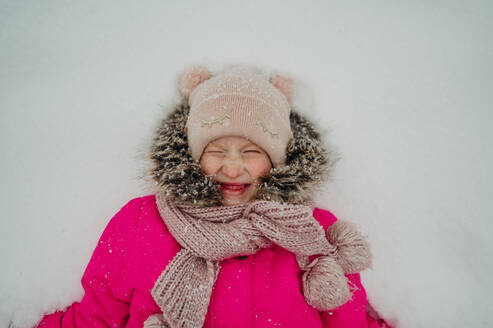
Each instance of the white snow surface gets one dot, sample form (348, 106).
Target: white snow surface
(402, 89)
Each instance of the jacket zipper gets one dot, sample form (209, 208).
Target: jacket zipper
(213, 293)
(211, 305)
(250, 291)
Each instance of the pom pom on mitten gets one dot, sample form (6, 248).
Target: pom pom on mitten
(353, 251)
(324, 285)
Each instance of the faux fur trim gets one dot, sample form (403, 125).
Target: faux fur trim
(308, 164)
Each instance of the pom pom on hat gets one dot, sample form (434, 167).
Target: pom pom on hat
(284, 84)
(192, 78)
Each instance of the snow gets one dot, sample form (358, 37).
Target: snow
(402, 90)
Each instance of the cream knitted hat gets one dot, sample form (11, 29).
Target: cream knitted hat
(238, 102)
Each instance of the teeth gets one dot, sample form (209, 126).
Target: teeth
(232, 187)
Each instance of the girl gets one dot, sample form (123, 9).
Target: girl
(231, 239)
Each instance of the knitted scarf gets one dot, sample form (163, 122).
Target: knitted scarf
(209, 235)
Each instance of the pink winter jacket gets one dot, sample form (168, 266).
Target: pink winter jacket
(261, 290)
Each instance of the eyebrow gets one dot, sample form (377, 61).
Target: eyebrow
(213, 144)
(249, 144)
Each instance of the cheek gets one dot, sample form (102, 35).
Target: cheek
(259, 167)
(210, 165)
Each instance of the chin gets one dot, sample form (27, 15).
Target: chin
(235, 201)
(231, 200)
(227, 202)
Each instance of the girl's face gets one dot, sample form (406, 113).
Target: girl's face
(237, 165)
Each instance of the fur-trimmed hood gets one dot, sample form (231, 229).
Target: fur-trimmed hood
(308, 164)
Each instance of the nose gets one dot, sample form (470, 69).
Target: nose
(232, 168)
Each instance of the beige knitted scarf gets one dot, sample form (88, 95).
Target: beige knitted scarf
(209, 235)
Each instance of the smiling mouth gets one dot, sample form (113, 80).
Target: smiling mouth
(234, 189)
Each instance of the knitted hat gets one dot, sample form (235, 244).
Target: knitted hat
(238, 102)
